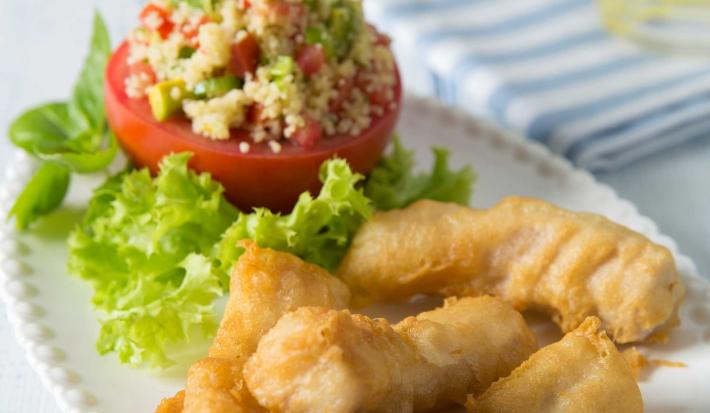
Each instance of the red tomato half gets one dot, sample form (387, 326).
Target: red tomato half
(257, 178)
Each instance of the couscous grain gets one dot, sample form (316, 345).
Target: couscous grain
(276, 68)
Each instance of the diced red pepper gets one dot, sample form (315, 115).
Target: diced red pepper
(309, 134)
(376, 96)
(143, 68)
(310, 59)
(255, 114)
(288, 9)
(190, 30)
(245, 56)
(345, 88)
(156, 18)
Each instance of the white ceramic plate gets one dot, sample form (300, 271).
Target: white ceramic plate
(54, 322)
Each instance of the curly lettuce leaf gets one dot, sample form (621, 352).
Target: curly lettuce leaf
(318, 230)
(145, 246)
(393, 185)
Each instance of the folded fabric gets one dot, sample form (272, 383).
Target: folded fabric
(549, 69)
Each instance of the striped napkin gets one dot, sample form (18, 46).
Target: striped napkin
(548, 69)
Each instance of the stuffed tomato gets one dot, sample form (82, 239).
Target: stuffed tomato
(261, 92)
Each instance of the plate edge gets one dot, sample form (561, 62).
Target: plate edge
(47, 361)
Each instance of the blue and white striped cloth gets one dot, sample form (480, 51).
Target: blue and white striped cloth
(548, 69)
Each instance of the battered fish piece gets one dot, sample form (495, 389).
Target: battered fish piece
(173, 404)
(265, 285)
(581, 373)
(321, 360)
(529, 252)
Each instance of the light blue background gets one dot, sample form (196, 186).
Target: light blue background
(42, 44)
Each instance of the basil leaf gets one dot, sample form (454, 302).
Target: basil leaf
(68, 136)
(42, 195)
(86, 106)
(42, 129)
(88, 161)
(45, 132)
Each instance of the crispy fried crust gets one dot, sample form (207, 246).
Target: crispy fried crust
(318, 360)
(582, 373)
(265, 285)
(173, 404)
(529, 252)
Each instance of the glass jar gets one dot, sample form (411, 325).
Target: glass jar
(673, 25)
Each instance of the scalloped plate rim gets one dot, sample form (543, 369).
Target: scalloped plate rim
(64, 393)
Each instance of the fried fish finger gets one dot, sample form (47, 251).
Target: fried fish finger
(321, 360)
(529, 252)
(582, 373)
(265, 285)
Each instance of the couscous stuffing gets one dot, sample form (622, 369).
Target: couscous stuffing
(285, 70)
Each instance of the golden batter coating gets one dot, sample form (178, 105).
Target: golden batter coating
(321, 360)
(265, 285)
(529, 252)
(582, 373)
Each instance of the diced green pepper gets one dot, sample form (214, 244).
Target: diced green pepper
(208, 6)
(217, 86)
(311, 4)
(211, 9)
(166, 98)
(283, 66)
(186, 52)
(315, 35)
(342, 29)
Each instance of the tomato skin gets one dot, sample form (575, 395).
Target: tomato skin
(381, 39)
(310, 59)
(165, 26)
(245, 56)
(259, 178)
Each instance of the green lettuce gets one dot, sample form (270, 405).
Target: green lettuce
(145, 245)
(393, 185)
(318, 230)
(158, 251)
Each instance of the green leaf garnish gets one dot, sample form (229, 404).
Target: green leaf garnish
(72, 134)
(87, 102)
(392, 184)
(318, 230)
(42, 194)
(145, 246)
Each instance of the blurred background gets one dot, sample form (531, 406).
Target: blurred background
(619, 87)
